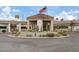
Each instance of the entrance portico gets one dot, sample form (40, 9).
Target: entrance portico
(41, 22)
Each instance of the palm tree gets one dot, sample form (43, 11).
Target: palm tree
(72, 25)
(62, 19)
(57, 19)
(17, 16)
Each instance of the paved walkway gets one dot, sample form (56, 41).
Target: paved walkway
(8, 44)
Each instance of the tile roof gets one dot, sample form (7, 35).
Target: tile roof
(44, 16)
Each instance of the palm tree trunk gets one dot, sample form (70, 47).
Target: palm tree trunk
(72, 27)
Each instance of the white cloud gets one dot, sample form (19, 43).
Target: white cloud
(6, 10)
(67, 15)
(70, 17)
(73, 11)
(6, 13)
(16, 10)
(64, 13)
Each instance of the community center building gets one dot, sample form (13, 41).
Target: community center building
(38, 22)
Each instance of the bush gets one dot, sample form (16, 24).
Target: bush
(63, 33)
(57, 35)
(30, 30)
(3, 31)
(43, 35)
(29, 35)
(17, 32)
(50, 35)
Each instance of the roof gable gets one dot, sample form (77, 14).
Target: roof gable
(44, 16)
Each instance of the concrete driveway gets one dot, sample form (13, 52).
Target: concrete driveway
(70, 44)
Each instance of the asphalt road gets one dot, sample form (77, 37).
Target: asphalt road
(9, 44)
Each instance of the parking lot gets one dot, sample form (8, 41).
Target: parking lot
(11, 44)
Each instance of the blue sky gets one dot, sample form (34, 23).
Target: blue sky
(66, 12)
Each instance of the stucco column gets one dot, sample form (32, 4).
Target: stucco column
(28, 25)
(9, 27)
(69, 28)
(51, 26)
(40, 24)
(19, 27)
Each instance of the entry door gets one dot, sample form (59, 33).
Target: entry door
(13, 27)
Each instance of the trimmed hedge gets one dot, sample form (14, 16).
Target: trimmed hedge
(50, 34)
(63, 33)
(3, 31)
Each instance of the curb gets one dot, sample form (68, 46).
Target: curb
(38, 37)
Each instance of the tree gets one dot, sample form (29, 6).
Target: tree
(57, 19)
(62, 19)
(17, 16)
(72, 25)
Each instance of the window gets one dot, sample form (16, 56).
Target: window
(2, 27)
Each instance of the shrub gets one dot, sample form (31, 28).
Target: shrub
(3, 31)
(57, 35)
(50, 35)
(43, 35)
(17, 32)
(63, 33)
(29, 35)
(30, 30)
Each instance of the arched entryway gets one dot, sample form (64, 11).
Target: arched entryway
(13, 26)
